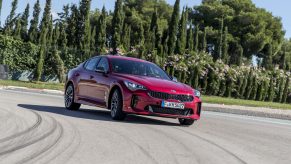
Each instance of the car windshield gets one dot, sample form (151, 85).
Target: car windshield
(138, 68)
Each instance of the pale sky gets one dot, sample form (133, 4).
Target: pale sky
(279, 8)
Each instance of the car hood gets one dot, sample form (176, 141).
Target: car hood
(160, 85)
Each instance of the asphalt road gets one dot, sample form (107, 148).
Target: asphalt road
(36, 128)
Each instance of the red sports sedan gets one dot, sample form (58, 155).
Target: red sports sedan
(127, 85)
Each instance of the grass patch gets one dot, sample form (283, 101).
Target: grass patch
(36, 85)
(252, 103)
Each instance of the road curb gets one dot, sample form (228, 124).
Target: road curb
(249, 111)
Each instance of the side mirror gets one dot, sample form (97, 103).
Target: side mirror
(101, 70)
(174, 79)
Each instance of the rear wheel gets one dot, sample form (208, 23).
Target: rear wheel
(186, 122)
(116, 106)
(69, 98)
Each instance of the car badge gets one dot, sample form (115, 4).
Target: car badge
(173, 91)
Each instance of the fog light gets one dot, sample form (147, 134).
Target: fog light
(134, 101)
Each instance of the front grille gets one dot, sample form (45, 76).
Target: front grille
(167, 96)
(161, 110)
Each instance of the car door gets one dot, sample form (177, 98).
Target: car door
(87, 79)
(103, 81)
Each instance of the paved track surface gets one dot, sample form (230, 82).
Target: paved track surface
(36, 128)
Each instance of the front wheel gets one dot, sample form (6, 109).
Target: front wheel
(186, 122)
(69, 98)
(116, 106)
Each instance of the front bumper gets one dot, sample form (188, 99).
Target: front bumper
(141, 103)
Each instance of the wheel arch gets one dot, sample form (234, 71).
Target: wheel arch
(113, 88)
(75, 89)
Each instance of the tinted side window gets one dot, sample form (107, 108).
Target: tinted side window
(90, 65)
(104, 63)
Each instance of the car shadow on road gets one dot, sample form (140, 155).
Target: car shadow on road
(101, 115)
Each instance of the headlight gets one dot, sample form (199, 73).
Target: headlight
(197, 93)
(133, 86)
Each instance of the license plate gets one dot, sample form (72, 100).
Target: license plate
(174, 105)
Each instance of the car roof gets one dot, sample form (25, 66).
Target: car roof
(125, 58)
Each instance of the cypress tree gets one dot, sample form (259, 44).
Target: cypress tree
(173, 28)
(33, 30)
(238, 84)
(40, 63)
(154, 21)
(196, 37)
(229, 86)
(181, 38)
(267, 61)
(163, 44)
(254, 88)
(93, 39)
(271, 92)
(0, 10)
(265, 90)
(219, 51)
(56, 35)
(100, 40)
(44, 27)
(190, 42)
(285, 92)
(154, 29)
(196, 77)
(260, 90)
(85, 30)
(237, 55)
(204, 43)
(249, 85)
(10, 20)
(117, 22)
(224, 54)
(141, 40)
(282, 64)
(50, 31)
(46, 16)
(67, 58)
(243, 87)
(126, 37)
(17, 30)
(24, 23)
(58, 62)
(281, 90)
(73, 23)
(63, 36)
(152, 39)
(158, 38)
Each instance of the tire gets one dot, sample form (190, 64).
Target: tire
(116, 106)
(70, 98)
(186, 122)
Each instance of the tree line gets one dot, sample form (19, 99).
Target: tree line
(223, 47)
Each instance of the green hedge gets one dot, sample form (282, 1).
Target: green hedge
(219, 79)
(18, 55)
